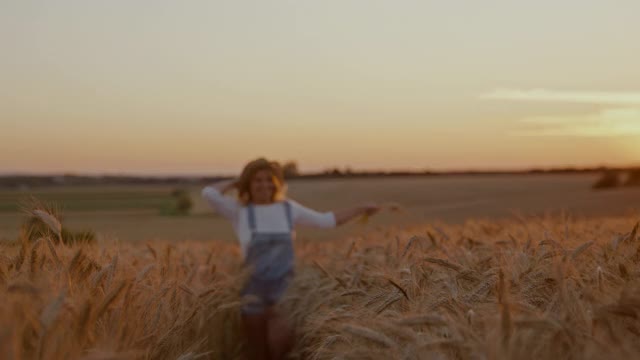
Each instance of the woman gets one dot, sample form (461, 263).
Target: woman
(264, 220)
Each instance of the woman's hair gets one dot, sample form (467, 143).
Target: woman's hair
(251, 169)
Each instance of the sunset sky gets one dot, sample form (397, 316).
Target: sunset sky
(200, 87)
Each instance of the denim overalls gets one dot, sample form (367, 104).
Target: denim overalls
(270, 255)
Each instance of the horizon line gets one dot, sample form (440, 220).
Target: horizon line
(343, 170)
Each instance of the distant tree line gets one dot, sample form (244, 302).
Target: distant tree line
(290, 170)
(616, 178)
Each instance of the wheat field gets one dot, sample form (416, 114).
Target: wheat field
(524, 288)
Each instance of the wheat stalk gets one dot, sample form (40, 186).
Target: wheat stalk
(426, 320)
(369, 334)
(50, 220)
(110, 298)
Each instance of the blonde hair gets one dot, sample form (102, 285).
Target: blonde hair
(243, 185)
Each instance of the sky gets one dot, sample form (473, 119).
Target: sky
(202, 87)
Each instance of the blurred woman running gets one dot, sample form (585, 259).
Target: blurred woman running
(264, 221)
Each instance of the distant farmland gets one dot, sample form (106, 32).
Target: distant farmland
(133, 212)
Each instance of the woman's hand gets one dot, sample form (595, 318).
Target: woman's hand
(366, 210)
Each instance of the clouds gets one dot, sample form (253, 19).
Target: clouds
(585, 97)
(619, 114)
(608, 122)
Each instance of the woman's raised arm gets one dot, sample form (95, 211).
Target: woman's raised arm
(224, 186)
(225, 205)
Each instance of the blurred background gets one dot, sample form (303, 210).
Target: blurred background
(119, 112)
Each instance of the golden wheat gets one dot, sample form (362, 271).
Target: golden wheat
(527, 289)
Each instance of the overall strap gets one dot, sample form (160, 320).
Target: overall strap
(287, 209)
(252, 217)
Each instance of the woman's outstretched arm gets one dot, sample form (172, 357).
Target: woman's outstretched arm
(303, 215)
(343, 216)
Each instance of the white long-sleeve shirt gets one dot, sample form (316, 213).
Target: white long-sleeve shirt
(269, 218)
